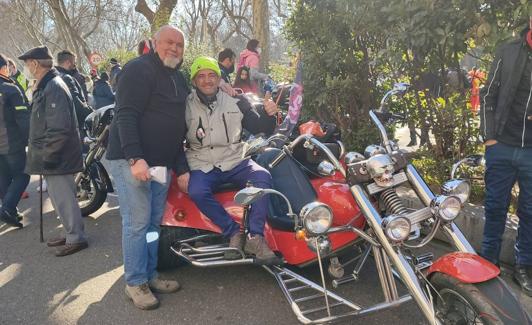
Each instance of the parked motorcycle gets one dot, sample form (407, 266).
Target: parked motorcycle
(335, 219)
(93, 183)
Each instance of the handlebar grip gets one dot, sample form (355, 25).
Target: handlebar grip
(278, 159)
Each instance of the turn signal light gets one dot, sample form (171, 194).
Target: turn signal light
(301, 234)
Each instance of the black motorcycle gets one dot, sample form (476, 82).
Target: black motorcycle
(93, 183)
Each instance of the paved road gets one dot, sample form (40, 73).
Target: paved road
(87, 288)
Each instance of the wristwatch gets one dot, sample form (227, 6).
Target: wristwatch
(132, 161)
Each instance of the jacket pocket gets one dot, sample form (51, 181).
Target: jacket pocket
(225, 126)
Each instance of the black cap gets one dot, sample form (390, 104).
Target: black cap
(113, 61)
(37, 53)
(3, 60)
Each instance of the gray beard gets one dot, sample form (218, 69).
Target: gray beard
(171, 62)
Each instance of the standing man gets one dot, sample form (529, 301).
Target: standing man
(54, 149)
(67, 60)
(147, 131)
(14, 128)
(18, 77)
(226, 62)
(506, 124)
(116, 69)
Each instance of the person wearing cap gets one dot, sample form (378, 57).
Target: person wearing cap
(116, 69)
(148, 130)
(54, 149)
(14, 129)
(215, 122)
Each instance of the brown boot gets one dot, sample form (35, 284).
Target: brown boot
(57, 241)
(69, 249)
(256, 245)
(236, 241)
(163, 286)
(142, 296)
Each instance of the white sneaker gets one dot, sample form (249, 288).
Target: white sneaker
(44, 187)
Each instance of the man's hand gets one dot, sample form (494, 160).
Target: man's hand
(270, 107)
(490, 142)
(182, 182)
(226, 88)
(140, 170)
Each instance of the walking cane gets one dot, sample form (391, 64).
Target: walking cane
(40, 214)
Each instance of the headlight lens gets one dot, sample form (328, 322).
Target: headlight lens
(317, 217)
(457, 187)
(397, 228)
(446, 207)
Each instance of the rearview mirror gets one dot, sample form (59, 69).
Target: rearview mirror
(248, 195)
(475, 160)
(401, 88)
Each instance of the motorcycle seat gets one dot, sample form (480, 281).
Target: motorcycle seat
(289, 179)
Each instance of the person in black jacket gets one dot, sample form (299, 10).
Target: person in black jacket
(14, 128)
(54, 148)
(147, 131)
(226, 62)
(506, 124)
(116, 69)
(102, 93)
(66, 67)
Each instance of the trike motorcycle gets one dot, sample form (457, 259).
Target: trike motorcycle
(334, 216)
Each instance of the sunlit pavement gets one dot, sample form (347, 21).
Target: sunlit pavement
(87, 288)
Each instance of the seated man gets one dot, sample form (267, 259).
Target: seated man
(214, 122)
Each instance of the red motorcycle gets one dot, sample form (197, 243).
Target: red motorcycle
(332, 210)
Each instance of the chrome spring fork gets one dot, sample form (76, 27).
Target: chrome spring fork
(322, 277)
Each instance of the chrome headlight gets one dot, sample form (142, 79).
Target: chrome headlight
(326, 168)
(446, 207)
(396, 228)
(457, 187)
(316, 217)
(353, 157)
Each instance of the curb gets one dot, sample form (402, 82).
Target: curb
(471, 223)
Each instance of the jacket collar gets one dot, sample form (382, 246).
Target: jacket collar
(47, 77)
(6, 79)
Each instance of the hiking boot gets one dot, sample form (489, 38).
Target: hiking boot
(10, 219)
(163, 286)
(69, 249)
(256, 245)
(57, 241)
(522, 277)
(142, 296)
(236, 241)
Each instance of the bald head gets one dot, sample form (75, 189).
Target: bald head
(169, 44)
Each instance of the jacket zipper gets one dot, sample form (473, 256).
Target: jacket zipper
(175, 86)
(524, 116)
(225, 126)
(487, 93)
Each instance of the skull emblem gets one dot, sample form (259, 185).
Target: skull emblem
(381, 168)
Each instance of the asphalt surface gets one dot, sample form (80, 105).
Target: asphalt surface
(88, 287)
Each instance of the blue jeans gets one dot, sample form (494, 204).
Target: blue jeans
(504, 166)
(201, 189)
(142, 207)
(13, 180)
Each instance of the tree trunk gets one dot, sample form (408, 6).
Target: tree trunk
(261, 30)
(159, 17)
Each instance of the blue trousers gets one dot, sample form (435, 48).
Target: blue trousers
(13, 180)
(142, 207)
(201, 189)
(504, 166)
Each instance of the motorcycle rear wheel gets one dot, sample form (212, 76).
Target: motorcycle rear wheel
(166, 258)
(487, 303)
(94, 201)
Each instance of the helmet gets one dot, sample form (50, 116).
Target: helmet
(202, 63)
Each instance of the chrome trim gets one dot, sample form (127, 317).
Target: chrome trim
(398, 178)
(342, 149)
(380, 126)
(417, 216)
(402, 267)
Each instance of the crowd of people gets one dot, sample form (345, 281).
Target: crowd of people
(156, 111)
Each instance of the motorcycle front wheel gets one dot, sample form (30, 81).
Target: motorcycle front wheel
(489, 303)
(90, 198)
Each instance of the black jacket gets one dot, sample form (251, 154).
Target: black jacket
(78, 97)
(102, 93)
(114, 75)
(150, 113)
(54, 146)
(497, 96)
(14, 118)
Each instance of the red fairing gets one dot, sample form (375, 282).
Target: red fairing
(466, 267)
(180, 211)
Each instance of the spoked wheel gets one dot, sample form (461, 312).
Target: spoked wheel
(490, 302)
(90, 199)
